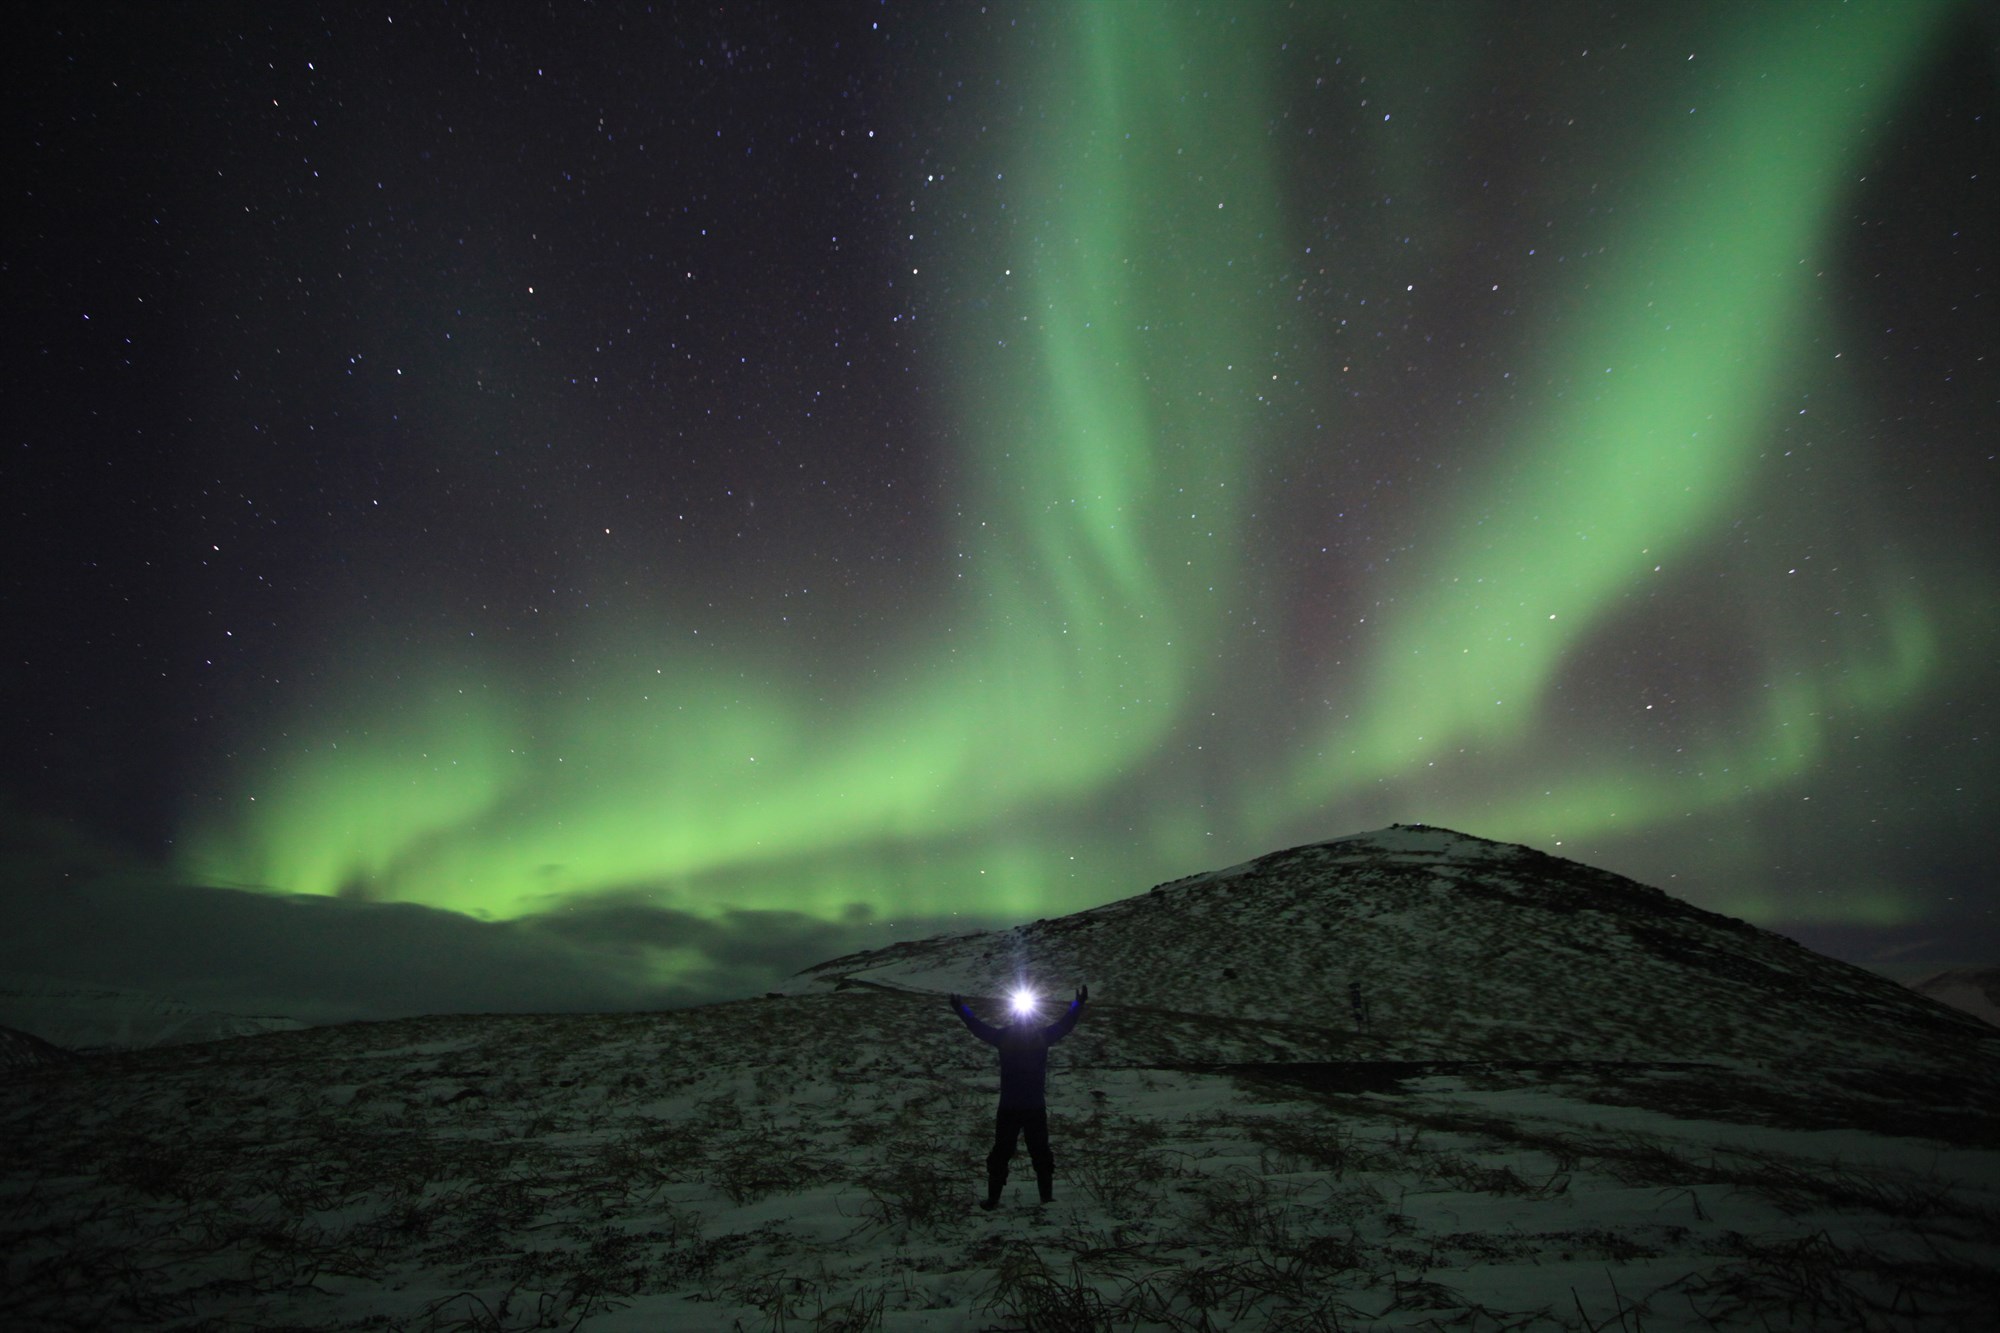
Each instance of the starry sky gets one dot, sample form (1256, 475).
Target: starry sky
(597, 506)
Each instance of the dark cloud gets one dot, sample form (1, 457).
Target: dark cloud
(782, 941)
(738, 951)
(318, 959)
(324, 959)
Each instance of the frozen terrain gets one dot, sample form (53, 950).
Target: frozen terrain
(1556, 1100)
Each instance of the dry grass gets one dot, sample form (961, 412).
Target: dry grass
(524, 1173)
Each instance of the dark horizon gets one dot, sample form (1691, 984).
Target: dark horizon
(323, 960)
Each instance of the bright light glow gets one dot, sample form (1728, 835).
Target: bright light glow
(1024, 1002)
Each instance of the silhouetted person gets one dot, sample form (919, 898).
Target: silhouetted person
(1024, 1068)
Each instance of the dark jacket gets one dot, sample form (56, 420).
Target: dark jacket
(1024, 1055)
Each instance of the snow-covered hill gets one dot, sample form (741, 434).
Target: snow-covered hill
(1237, 1146)
(94, 1018)
(1419, 943)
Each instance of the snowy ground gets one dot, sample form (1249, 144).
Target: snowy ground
(812, 1162)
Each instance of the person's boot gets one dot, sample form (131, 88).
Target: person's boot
(995, 1181)
(1047, 1186)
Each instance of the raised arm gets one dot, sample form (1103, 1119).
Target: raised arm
(1059, 1029)
(989, 1035)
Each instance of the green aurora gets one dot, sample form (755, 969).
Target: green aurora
(1125, 668)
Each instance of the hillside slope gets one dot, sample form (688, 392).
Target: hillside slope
(1419, 943)
(24, 1050)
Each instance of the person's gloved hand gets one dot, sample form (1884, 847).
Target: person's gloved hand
(956, 1003)
(1082, 994)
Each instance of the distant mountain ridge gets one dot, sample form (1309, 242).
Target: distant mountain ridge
(1420, 943)
(81, 1017)
(1976, 991)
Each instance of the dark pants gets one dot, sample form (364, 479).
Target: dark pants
(1008, 1127)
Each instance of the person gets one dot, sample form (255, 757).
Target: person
(1024, 1068)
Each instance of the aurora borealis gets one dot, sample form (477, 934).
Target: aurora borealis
(893, 465)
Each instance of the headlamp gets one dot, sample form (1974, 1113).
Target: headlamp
(1024, 1002)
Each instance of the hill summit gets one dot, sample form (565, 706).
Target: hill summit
(1418, 943)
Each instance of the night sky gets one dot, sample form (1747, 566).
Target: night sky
(592, 505)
